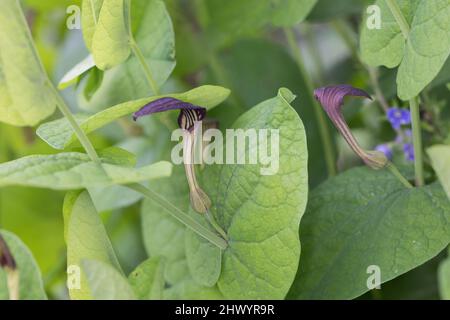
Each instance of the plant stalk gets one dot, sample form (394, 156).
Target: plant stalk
(321, 120)
(399, 17)
(148, 74)
(138, 53)
(181, 216)
(81, 135)
(417, 141)
(398, 175)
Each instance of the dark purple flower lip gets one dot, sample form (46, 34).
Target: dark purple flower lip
(189, 113)
(6, 258)
(332, 99)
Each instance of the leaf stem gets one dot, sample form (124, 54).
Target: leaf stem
(81, 135)
(181, 216)
(148, 74)
(320, 117)
(215, 225)
(413, 103)
(138, 53)
(398, 175)
(417, 141)
(399, 17)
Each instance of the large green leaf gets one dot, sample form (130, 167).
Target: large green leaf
(147, 279)
(86, 239)
(365, 218)
(30, 280)
(243, 16)
(251, 84)
(440, 155)
(203, 258)
(111, 41)
(152, 29)
(422, 55)
(59, 134)
(73, 170)
(26, 95)
(261, 214)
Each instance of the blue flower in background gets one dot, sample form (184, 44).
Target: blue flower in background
(398, 117)
(386, 149)
(408, 149)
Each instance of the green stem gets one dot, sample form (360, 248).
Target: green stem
(398, 175)
(148, 74)
(417, 141)
(94, 14)
(81, 135)
(399, 17)
(181, 216)
(138, 53)
(321, 119)
(215, 225)
(414, 104)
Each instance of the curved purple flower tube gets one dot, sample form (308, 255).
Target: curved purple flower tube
(332, 99)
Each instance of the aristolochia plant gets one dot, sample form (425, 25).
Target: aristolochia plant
(269, 211)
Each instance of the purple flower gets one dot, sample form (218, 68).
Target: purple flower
(408, 149)
(398, 117)
(332, 99)
(6, 258)
(189, 116)
(386, 149)
(189, 113)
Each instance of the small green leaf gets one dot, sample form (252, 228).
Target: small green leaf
(26, 95)
(250, 15)
(163, 235)
(440, 155)
(59, 134)
(147, 279)
(444, 279)
(110, 44)
(365, 218)
(31, 286)
(421, 55)
(70, 171)
(105, 282)
(86, 238)
(73, 75)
